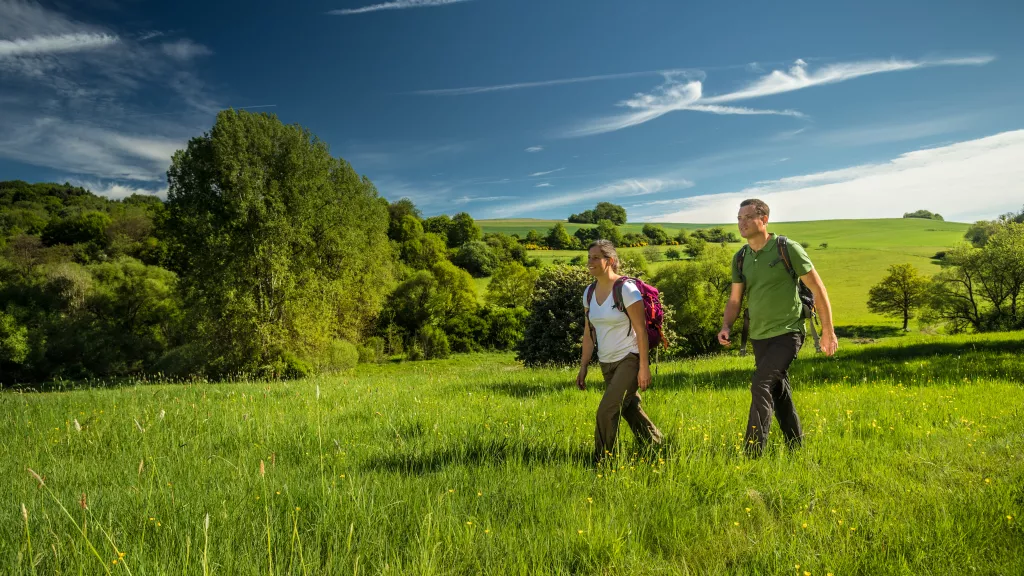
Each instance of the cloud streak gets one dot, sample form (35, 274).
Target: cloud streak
(55, 44)
(534, 149)
(962, 181)
(535, 174)
(396, 5)
(539, 84)
(677, 95)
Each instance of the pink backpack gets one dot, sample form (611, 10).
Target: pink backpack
(653, 312)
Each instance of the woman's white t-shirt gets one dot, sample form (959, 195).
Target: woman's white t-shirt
(615, 335)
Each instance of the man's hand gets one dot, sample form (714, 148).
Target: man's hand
(643, 377)
(829, 343)
(723, 337)
(581, 379)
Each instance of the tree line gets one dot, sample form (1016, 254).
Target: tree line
(271, 258)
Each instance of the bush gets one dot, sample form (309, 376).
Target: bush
(434, 343)
(696, 292)
(372, 351)
(341, 355)
(653, 254)
(673, 254)
(606, 230)
(554, 327)
(823, 246)
(633, 240)
(512, 285)
(657, 234)
(558, 238)
(181, 363)
(580, 260)
(505, 327)
(635, 263)
(477, 258)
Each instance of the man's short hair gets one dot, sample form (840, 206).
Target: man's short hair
(759, 206)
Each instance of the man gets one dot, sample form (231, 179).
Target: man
(776, 322)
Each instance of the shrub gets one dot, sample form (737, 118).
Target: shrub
(512, 285)
(434, 343)
(696, 292)
(554, 327)
(673, 254)
(477, 258)
(653, 254)
(823, 246)
(182, 362)
(372, 351)
(635, 263)
(340, 355)
(657, 234)
(805, 245)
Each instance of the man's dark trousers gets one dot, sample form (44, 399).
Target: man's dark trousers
(770, 392)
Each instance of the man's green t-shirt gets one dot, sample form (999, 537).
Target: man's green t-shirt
(772, 296)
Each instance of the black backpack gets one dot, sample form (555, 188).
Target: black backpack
(806, 296)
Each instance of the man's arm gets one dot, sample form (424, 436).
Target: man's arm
(732, 311)
(823, 307)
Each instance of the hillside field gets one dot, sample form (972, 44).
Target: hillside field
(475, 465)
(858, 253)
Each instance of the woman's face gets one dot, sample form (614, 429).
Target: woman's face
(598, 263)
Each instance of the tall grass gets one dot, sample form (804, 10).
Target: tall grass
(912, 465)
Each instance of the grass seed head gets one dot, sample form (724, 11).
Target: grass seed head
(37, 477)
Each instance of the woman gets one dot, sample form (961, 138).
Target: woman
(623, 356)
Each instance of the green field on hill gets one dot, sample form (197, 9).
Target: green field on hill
(858, 253)
(475, 465)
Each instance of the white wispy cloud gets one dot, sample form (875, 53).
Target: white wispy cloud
(675, 94)
(963, 181)
(538, 84)
(611, 191)
(469, 199)
(55, 44)
(116, 191)
(71, 98)
(535, 174)
(185, 49)
(535, 149)
(396, 5)
(543, 185)
(798, 77)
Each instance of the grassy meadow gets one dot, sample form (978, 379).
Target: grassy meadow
(858, 254)
(912, 465)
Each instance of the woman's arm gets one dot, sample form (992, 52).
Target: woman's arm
(588, 351)
(638, 319)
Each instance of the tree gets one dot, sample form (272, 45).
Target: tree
(673, 254)
(657, 234)
(899, 294)
(653, 254)
(554, 328)
(438, 225)
(983, 288)
(397, 212)
(606, 230)
(586, 235)
(424, 252)
(532, 237)
(87, 227)
(512, 285)
(609, 211)
(696, 292)
(979, 232)
(682, 236)
(477, 258)
(926, 214)
(558, 238)
(463, 229)
(279, 248)
(585, 217)
(506, 248)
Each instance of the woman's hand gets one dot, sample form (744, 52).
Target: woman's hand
(581, 378)
(643, 377)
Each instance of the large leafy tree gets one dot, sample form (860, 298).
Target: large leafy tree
(900, 293)
(279, 247)
(609, 211)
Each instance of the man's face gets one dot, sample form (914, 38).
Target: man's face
(750, 222)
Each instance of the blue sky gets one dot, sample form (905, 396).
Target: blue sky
(523, 108)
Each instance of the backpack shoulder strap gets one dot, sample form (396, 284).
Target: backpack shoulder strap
(617, 292)
(590, 293)
(737, 261)
(782, 243)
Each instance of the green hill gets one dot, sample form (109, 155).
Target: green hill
(858, 252)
